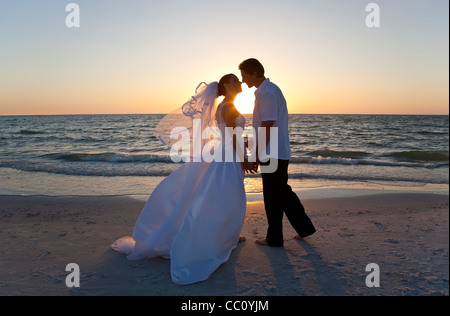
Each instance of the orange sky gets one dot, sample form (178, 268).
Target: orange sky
(149, 57)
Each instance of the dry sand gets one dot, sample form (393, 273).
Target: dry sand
(407, 235)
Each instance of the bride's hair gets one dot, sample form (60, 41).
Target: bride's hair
(221, 91)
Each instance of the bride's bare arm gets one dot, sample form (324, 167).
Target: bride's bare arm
(229, 114)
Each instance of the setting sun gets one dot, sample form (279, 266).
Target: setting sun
(245, 101)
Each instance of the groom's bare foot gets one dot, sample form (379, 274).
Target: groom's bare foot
(241, 239)
(262, 242)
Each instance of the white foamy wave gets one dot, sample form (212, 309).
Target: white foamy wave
(366, 162)
(331, 160)
(93, 168)
(110, 157)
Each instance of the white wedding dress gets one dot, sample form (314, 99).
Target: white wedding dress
(194, 217)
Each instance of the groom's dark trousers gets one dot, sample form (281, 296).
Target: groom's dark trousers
(278, 199)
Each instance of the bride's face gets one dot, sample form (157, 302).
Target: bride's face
(234, 85)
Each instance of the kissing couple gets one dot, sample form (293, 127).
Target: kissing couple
(194, 217)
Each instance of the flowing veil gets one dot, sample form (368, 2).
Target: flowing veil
(194, 216)
(184, 129)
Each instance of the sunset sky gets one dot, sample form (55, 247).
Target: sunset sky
(145, 56)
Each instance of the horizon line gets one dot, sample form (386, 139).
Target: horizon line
(86, 114)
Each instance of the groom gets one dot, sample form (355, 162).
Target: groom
(271, 111)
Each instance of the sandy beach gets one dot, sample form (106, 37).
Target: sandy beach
(406, 235)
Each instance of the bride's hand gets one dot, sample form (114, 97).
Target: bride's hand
(245, 166)
(254, 167)
(249, 167)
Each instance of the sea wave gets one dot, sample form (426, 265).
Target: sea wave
(366, 178)
(30, 132)
(423, 159)
(91, 169)
(95, 169)
(420, 155)
(338, 154)
(161, 164)
(411, 156)
(110, 157)
(369, 162)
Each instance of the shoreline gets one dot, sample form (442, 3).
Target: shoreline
(25, 183)
(405, 234)
(304, 194)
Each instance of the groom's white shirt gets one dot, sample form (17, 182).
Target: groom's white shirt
(270, 105)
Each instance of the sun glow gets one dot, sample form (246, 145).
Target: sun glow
(245, 101)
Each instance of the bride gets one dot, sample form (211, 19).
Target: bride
(195, 215)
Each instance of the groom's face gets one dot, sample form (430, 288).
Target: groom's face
(248, 79)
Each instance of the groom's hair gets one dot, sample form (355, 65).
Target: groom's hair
(251, 66)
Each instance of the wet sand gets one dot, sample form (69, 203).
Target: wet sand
(406, 235)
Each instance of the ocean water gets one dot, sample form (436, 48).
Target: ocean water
(118, 154)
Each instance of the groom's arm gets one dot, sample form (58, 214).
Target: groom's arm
(266, 125)
(267, 107)
(268, 110)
